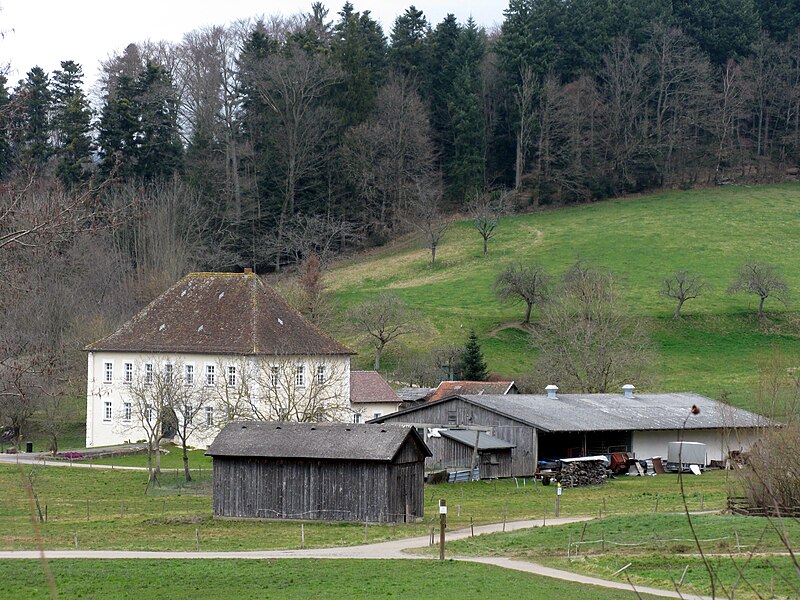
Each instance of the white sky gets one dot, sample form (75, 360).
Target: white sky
(45, 32)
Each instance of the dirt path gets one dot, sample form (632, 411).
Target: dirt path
(394, 549)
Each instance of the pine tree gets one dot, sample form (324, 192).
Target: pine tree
(71, 124)
(409, 50)
(34, 102)
(473, 365)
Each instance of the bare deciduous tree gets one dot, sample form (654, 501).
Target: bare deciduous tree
(586, 341)
(427, 217)
(382, 320)
(682, 286)
(762, 280)
(527, 283)
(485, 211)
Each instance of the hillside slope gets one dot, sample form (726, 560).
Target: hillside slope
(713, 349)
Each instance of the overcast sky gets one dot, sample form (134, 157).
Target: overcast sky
(45, 32)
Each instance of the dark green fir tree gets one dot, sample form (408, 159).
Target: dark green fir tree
(473, 365)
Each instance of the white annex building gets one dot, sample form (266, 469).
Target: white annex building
(213, 348)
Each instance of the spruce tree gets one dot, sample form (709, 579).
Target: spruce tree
(6, 152)
(473, 365)
(71, 124)
(34, 102)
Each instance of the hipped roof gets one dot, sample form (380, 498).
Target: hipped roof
(370, 387)
(329, 441)
(220, 313)
(608, 412)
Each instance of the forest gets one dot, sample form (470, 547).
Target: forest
(260, 143)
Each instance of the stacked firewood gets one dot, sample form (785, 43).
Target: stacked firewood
(575, 474)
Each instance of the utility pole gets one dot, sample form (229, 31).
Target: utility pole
(442, 526)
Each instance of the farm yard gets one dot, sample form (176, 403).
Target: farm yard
(637, 518)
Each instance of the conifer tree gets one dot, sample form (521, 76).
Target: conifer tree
(6, 152)
(409, 50)
(34, 100)
(71, 124)
(473, 365)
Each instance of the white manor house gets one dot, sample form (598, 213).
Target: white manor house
(213, 348)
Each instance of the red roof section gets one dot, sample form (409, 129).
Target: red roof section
(220, 313)
(471, 388)
(369, 386)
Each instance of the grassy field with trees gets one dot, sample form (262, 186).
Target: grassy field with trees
(714, 347)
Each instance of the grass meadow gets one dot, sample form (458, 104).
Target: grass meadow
(714, 349)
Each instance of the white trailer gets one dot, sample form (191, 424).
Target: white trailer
(682, 454)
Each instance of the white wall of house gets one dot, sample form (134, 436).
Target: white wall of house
(372, 410)
(718, 441)
(111, 375)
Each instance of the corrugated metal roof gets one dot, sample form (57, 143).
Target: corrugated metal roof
(485, 441)
(607, 412)
(332, 441)
(615, 412)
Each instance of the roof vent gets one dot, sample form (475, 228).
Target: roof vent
(628, 389)
(551, 391)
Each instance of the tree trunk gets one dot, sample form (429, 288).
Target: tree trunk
(186, 471)
(528, 313)
(433, 253)
(378, 352)
(485, 245)
(761, 308)
(677, 312)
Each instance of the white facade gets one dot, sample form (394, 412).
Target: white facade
(373, 410)
(646, 444)
(117, 382)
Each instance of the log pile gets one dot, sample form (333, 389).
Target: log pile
(576, 474)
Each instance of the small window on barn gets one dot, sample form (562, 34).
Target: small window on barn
(452, 417)
(300, 376)
(209, 415)
(127, 373)
(108, 372)
(231, 378)
(189, 375)
(211, 375)
(356, 417)
(493, 459)
(148, 374)
(107, 411)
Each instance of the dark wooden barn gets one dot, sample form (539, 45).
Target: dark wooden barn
(323, 471)
(455, 449)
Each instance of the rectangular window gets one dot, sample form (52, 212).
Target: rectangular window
(231, 379)
(321, 374)
(149, 413)
(168, 370)
(273, 376)
(148, 374)
(127, 411)
(356, 417)
(188, 416)
(127, 373)
(211, 375)
(452, 417)
(209, 415)
(108, 372)
(107, 411)
(300, 376)
(189, 380)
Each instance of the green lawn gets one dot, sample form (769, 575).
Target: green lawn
(714, 349)
(108, 509)
(285, 579)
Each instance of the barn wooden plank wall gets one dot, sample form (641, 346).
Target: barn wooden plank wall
(523, 457)
(319, 489)
(448, 453)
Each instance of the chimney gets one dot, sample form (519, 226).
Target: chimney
(248, 271)
(551, 391)
(627, 389)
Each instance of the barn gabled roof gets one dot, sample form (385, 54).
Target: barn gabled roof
(328, 441)
(370, 387)
(606, 412)
(220, 313)
(470, 388)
